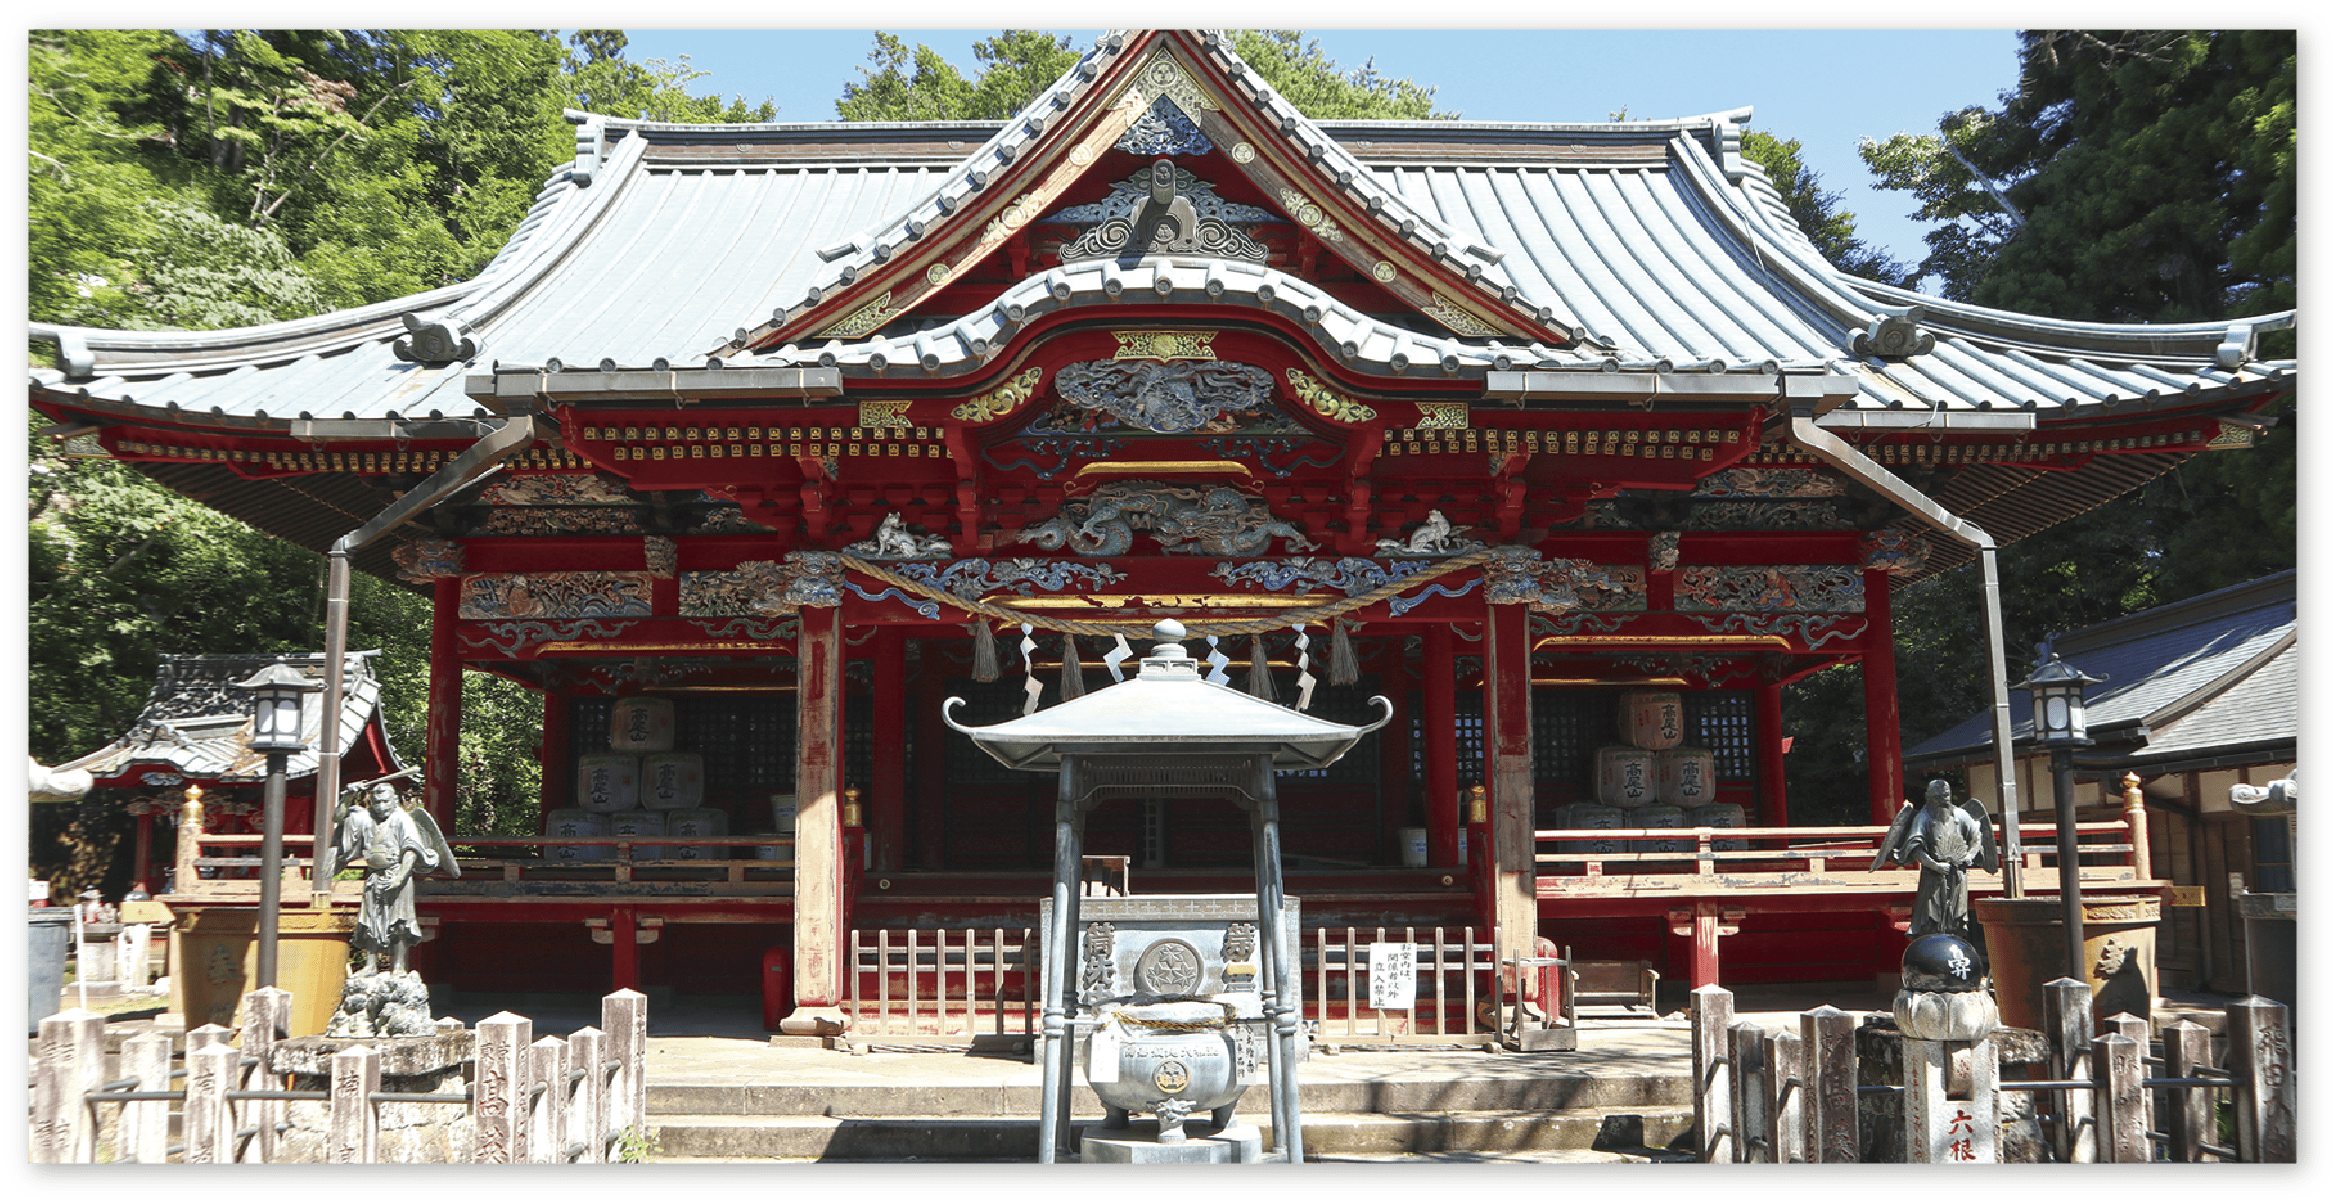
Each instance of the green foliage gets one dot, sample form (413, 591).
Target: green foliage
(1314, 84)
(2154, 173)
(604, 81)
(637, 1143)
(1817, 211)
(921, 85)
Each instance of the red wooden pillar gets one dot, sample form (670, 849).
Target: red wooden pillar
(1878, 671)
(624, 951)
(1509, 775)
(1769, 752)
(557, 762)
(1440, 744)
(819, 831)
(1704, 925)
(142, 863)
(889, 719)
(933, 752)
(1395, 755)
(442, 744)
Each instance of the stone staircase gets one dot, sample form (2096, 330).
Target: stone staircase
(1567, 1115)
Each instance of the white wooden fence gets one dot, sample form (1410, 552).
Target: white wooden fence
(1764, 1096)
(526, 1099)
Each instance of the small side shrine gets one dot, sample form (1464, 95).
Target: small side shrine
(1158, 1037)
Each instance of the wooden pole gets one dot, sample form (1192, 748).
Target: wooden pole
(443, 743)
(1509, 781)
(889, 769)
(1769, 752)
(819, 830)
(1878, 673)
(1440, 746)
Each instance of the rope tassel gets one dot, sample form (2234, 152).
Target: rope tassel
(1343, 670)
(985, 651)
(1074, 682)
(1261, 676)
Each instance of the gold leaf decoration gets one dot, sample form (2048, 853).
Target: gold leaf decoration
(1001, 401)
(862, 320)
(1243, 152)
(1165, 344)
(1164, 76)
(884, 413)
(1442, 416)
(1310, 215)
(2232, 435)
(1319, 398)
(1460, 321)
(1017, 213)
(1383, 271)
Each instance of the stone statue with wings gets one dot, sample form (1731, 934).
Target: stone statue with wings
(1947, 839)
(393, 844)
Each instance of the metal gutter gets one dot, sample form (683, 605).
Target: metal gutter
(1803, 429)
(475, 462)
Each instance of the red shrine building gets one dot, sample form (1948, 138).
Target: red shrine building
(757, 443)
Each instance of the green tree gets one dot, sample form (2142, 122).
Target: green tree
(1312, 82)
(2133, 176)
(1817, 211)
(918, 84)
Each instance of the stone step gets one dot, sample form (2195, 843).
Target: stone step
(991, 1100)
(1643, 1133)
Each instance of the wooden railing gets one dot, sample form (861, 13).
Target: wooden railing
(1588, 861)
(1455, 970)
(628, 861)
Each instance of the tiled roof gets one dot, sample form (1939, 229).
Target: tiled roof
(662, 244)
(2187, 676)
(198, 725)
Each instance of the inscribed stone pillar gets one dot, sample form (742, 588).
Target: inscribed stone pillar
(819, 832)
(1509, 776)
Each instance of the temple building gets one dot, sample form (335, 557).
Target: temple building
(758, 442)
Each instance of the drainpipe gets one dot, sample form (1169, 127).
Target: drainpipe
(1803, 429)
(475, 462)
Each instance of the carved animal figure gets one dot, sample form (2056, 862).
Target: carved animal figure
(893, 541)
(1215, 522)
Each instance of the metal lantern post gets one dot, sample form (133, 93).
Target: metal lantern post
(2057, 723)
(276, 694)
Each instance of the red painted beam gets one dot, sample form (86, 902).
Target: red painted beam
(1878, 673)
(888, 786)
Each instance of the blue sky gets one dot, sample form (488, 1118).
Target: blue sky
(1828, 88)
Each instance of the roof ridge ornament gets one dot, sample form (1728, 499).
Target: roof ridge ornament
(1893, 335)
(432, 344)
(1162, 219)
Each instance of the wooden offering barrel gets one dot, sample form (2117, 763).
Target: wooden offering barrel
(608, 782)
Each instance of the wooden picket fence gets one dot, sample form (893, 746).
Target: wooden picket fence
(524, 1099)
(1765, 1096)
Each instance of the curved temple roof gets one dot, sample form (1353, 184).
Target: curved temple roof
(667, 247)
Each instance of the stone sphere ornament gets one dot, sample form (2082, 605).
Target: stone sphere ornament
(1943, 962)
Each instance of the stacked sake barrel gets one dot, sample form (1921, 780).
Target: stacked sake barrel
(1655, 780)
(641, 787)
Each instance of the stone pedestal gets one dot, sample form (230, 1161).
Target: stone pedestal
(410, 1133)
(1139, 1141)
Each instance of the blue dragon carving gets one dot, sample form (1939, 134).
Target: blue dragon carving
(1215, 521)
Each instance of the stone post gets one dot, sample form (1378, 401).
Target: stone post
(2119, 1132)
(547, 1100)
(1784, 1066)
(588, 1102)
(1749, 1119)
(267, 1018)
(624, 1016)
(499, 1105)
(1711, 1009)
(1830, 1102)
(1951, 1101)
(208, 1125)
(355, 1131)
(2136, 1029)
(2264, 1092)
(71, 1064)
(2069, 1024)
(2191, 1118)
(146, 1125)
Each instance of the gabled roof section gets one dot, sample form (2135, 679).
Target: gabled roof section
(2216, 667)
(199, 724)
(1023, 170)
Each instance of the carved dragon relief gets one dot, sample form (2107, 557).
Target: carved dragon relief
(1208, 521)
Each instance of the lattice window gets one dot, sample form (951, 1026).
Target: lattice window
(1569, 727)
(1468, 738)
(986, 703)
(1350, 705)
(1722, 720)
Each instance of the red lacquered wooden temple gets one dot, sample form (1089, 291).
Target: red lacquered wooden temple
(800, 430)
